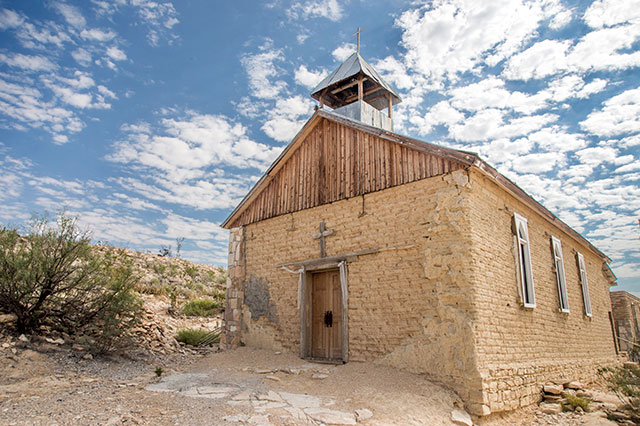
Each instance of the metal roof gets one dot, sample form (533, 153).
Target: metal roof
(351, 67)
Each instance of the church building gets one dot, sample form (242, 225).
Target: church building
(360, 244)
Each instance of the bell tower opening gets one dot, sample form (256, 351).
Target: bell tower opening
(356, 90)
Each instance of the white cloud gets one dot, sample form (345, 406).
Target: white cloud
(71, 14)
(447, 38)
(596, 155)
(116, 54)
(187, 147)
(9, 19)
(602, 49)
(343, 51)
(603, 13)
(261, 69)
(82, 56)
(619, 115)
(330, 9)
(490, 124)
(28, 62)
(96, 34)
(309, 78)
(537, 162)
(542, 59)
(287, 118)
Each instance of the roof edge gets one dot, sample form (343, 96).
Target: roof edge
(307, 127)
(520, 193)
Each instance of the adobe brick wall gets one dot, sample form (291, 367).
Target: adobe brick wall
(520, 349)
(410, 304)
(440, 297)
(623, 305)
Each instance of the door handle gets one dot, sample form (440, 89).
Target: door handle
(328, 319)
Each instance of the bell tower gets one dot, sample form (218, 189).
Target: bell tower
(357, 91)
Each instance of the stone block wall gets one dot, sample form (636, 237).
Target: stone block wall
(626, 310)
(410, 303)
(518, 348)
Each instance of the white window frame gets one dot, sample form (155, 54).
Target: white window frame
(556, 248)
(524, 261)
(582, 270)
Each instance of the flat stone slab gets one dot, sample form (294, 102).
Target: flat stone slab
(212, 392)
(330, 417)
(300, 400)
(461, 417)
(179, 382)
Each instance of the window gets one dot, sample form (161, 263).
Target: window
(556, 247)
(585, 285)
(524, 261)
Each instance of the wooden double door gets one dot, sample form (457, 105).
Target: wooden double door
(326, 316)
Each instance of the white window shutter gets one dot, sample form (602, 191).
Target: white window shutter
(585, 285)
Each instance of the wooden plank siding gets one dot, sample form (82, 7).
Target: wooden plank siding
(336, 161)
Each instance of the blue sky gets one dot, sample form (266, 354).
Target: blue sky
(151, 120)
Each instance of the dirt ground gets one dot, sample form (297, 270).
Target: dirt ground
(243, 386)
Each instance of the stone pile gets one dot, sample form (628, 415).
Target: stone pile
(555, 396)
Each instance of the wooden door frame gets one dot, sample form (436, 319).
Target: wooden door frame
(305, 307)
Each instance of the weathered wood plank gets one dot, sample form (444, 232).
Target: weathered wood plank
(335, 161)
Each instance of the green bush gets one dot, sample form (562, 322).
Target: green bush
(202, 308)
(51, 276)
(192, 336)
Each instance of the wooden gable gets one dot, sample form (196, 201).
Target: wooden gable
(333, 159)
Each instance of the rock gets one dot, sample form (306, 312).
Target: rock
(300, 400)
(553, 389)
(23, 338)
(243, 396)
(88, 356)
(240, 418)
(277, 353)
(265, 370)
(330, 417)
(58, 341)
(552, 398)
(550, 408)
(363, 414)
(561, 381)
(629, 364)
(274, 378)
(291, 370)
(78, 348)
(579, 410)
(461, 417)
(575, 385)
(597, 419)
(319, 376)
(270, 396)
(8, 318)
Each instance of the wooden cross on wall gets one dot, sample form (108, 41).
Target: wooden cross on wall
(321, 236)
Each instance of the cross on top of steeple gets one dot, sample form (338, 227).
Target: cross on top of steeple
(357, 33)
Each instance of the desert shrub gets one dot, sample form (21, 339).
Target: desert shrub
(625, 382)
(51, 276)
(574, 402)
(191, 271)
(201, 308)
(222, 277)
(192, 336)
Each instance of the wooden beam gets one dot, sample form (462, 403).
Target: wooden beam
(346, 86)
(365, 94)
(360, 90)
(328, 262)
(390, 105)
